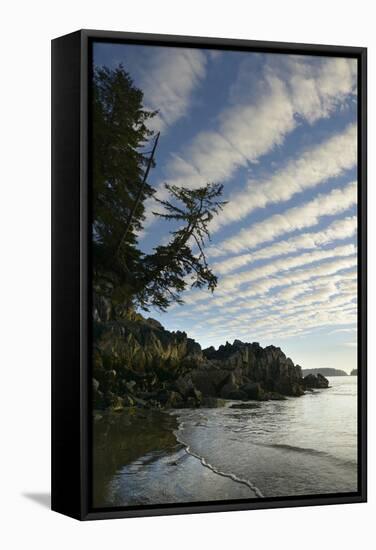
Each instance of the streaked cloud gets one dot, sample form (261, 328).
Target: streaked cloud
(315, 166)
(285, 264)
(263, 285)
(338, 230)
(295, 218)
(280, 132)
(168, 79)
(247, 131)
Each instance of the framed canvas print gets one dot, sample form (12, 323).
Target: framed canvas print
(208, 274)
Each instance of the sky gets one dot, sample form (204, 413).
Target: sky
(280, 133)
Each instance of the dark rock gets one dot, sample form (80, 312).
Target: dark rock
(209, 380)
(212, 402)
(98, 396)
(209, 353)
(139, 402)
(184, 385)
(117, 403)
(253, 390)
(229, 389)
(163, 396)
(174, 401)
(144, 364)
(128, 401)
(315, 381)
(196, 395)
(236, 395)
(130, 385)
(274, 396)
(191, 403)
(154, 323)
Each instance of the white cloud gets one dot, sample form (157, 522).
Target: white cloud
(337, 230)
(309, 286)
(338, 330)
(323, 307)
(168, 79)
(284, 264)
(315, 166)
(249, 130)
(325, 269)
(230, 293)
(321, 87)
(295, 218)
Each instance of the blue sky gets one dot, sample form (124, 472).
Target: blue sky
(280, 133)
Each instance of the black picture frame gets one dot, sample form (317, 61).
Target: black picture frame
(71, 390)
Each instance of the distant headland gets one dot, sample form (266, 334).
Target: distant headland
(326, 372)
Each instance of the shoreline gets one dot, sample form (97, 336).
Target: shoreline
(183, 470)
(215, 470)
(146, 456)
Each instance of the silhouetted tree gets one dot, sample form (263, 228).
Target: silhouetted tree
(123, 276)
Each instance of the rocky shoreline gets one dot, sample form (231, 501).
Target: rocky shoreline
(138, 363)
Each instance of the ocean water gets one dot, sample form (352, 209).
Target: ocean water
(300, 446)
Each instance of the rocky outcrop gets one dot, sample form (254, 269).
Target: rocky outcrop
(250, 364)
(137, 363)
(315, 381)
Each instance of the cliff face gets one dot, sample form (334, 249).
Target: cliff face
(251, 363)
(139, 363)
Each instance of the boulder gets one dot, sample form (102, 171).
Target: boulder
(236, 395)
(141, 403)
(117, 403)
(131, 385)
(315, 381)
(174, 400)
(253, 390)
(128, 401)
(209, 381)
(228, 390)
(184, 385)
(196, 395)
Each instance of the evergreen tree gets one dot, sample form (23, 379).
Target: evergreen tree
(167, 269)
(123, 277)
(120, 135)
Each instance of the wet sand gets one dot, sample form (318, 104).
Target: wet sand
(138, 461)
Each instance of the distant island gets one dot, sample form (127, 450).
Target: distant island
(354, 372)
(327, 372)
